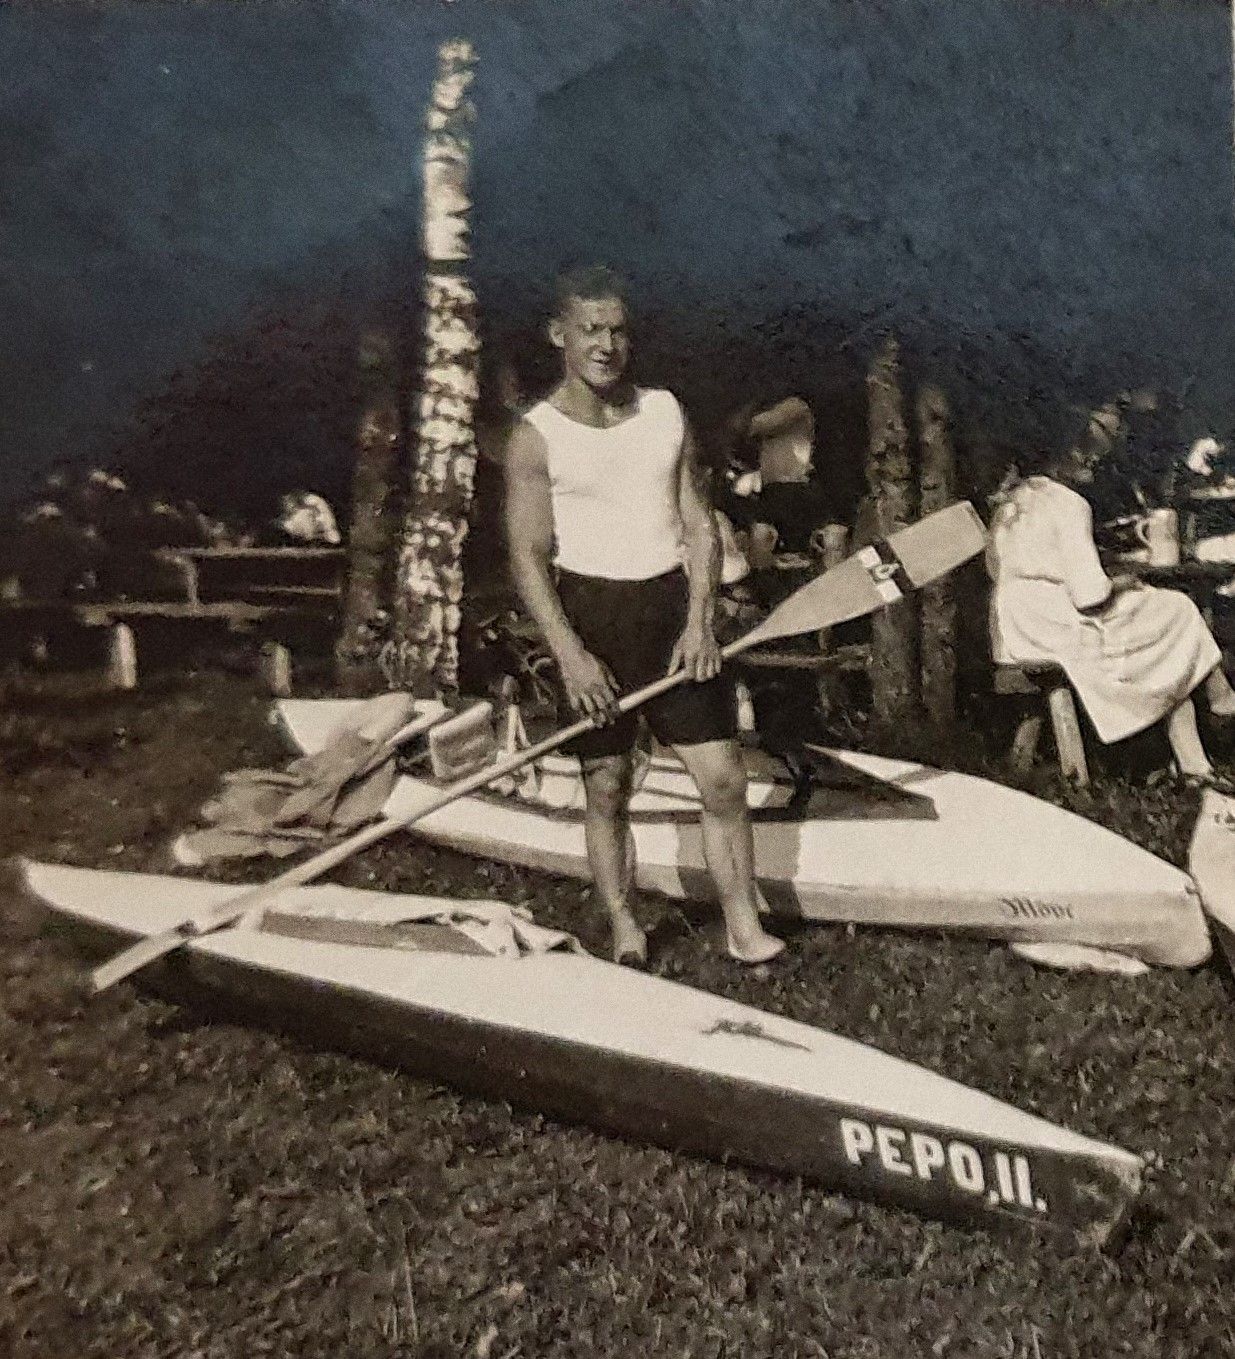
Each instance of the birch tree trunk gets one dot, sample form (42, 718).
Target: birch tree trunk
(423, 654)
(373, 533)
(938, 601)
(894, 631)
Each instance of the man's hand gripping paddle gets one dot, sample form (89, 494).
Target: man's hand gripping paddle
(870, 579)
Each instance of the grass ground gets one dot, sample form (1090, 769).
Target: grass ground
(178, 1186)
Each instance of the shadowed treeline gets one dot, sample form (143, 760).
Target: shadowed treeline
(1034, 196)
(275, 405)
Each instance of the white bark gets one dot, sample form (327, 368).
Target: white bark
(423, 654)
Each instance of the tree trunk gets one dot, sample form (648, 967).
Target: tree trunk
(835, 550)
(894, 631)
(938, 482)
(372, 536)
(423, 654)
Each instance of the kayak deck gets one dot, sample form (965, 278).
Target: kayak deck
(632, 1053)
(910, 847)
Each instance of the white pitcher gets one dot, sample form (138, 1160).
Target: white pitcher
(1159, 531)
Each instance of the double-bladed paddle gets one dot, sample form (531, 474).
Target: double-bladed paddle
(870, 579)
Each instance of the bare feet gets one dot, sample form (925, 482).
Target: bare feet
(756, 947)
(750, 943)
(630, 944)
(1220, 783)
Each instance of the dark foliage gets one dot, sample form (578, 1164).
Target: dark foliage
(272, 409)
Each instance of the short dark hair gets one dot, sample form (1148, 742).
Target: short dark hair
(588, 284)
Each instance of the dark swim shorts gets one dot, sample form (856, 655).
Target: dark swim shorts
(633, 626)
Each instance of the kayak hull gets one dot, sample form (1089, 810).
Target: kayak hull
(981, 858)
(637, 1056)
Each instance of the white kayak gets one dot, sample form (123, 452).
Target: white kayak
(879, 842)
(475, 994)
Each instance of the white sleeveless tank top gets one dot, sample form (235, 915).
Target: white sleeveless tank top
(615, 490)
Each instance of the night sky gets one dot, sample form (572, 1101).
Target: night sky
(1060, 170)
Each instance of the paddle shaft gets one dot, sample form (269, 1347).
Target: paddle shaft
(147, 951)
(787, 619)
(370, 835)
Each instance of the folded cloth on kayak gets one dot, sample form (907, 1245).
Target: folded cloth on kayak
(316, 798)
(495, 928)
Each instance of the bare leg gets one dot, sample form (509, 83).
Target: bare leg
(1185, 741)
(729, 846)
(1219, 693)
(611, 849)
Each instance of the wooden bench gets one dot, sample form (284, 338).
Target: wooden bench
(853, 657)
(1035, 680)
(120, 617)
(189, 561)
(238, 613)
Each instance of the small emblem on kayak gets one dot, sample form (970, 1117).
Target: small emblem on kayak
(1023, 908)
(747, 1028)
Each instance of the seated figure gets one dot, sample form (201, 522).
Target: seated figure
(1134, 653)
(771, 478)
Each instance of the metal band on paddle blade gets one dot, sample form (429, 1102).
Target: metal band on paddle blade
(886, 571)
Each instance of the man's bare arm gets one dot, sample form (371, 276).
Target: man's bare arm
(697, 648)
(529, 532)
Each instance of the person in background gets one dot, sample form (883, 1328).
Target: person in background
(1134, 654)
(1203, 458)
(615, 554)
(771, 478)
(305, 517)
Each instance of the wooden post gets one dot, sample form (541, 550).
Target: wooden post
(1069, 743)
(1025, 743)
(894, 673)
(121, 657)
(423, 654)
(938, 601)
(372, 535)
(834, 543)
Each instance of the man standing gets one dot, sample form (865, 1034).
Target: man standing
(615, 554)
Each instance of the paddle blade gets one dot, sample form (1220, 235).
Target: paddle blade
(939, 543)
(878, 575)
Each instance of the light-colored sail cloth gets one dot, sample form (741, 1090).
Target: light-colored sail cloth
(1132, 661)
(315, 799)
